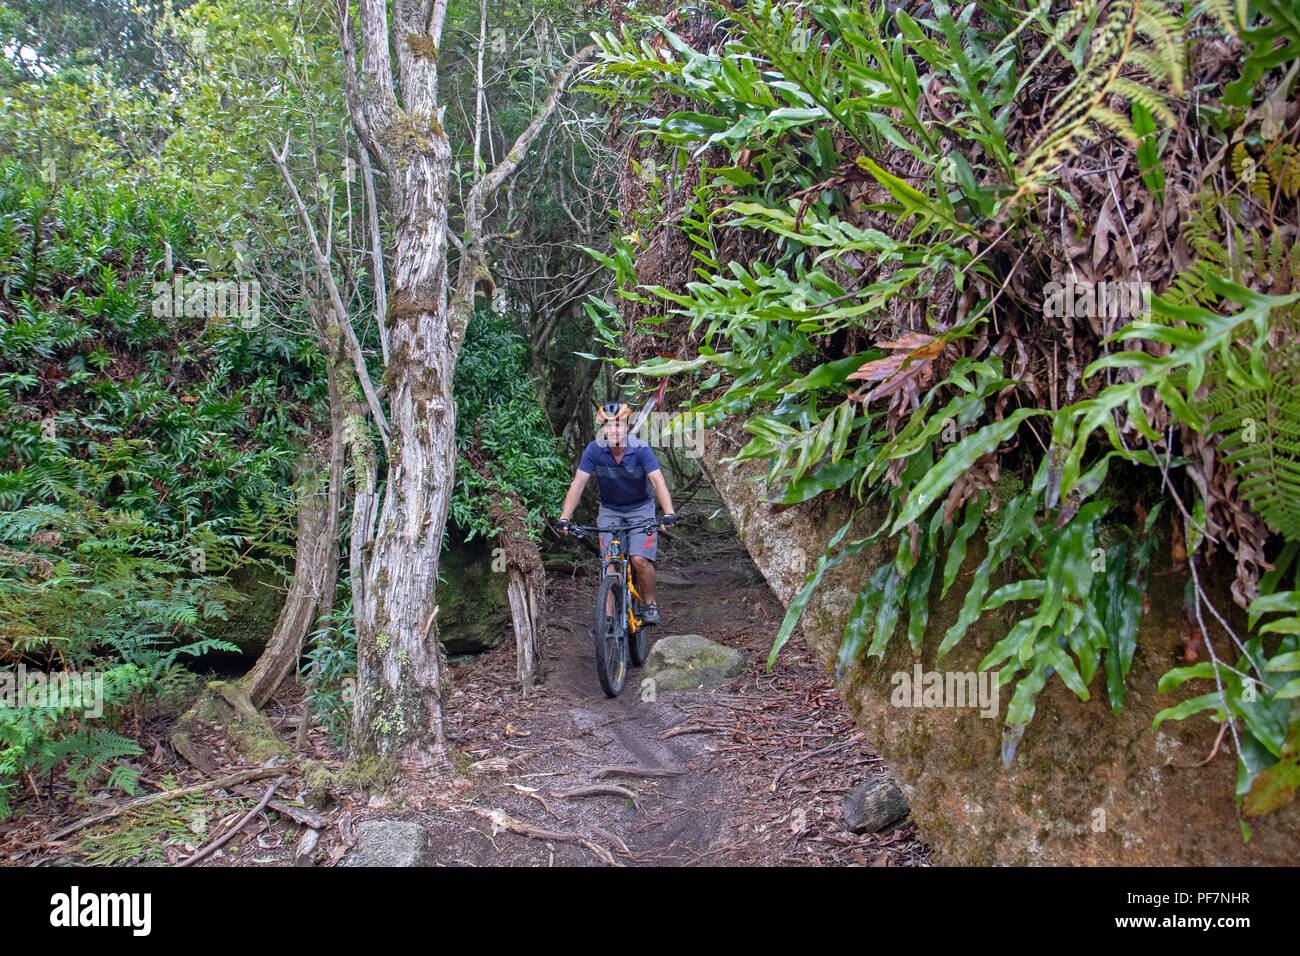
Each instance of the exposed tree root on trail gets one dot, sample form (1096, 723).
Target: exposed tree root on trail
(501, 820)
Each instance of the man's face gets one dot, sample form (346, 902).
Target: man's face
(615, 433)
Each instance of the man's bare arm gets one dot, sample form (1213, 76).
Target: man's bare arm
(661, 491)
(575, 492)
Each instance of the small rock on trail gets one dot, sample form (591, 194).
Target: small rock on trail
(689, 661)
(873, 805)
(389, 843)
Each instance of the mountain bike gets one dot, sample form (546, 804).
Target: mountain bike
(618, 631)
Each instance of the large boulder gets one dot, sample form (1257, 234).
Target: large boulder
(1086, 787)
(252, 619)
(689, 661)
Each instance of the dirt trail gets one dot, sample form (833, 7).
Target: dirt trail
(724, 749)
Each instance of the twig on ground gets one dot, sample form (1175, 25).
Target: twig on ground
(825, 751)
(602, 788)
(532, 792)
(221, 841)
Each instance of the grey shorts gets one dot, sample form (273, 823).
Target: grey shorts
(637, 543)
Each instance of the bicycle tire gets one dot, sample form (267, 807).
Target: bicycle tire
(638, 644)
(610, 637)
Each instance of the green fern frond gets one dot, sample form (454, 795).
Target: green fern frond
(1164, 31)
(1137, 93)
(1259, 422)
(1065, 25)
(1146, 37)
(1223, 13)
(1119, 125)
(124, 778)
(1268, 467)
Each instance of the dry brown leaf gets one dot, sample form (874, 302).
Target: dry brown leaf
(907, 372)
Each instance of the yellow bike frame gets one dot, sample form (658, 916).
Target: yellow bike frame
(632, 622)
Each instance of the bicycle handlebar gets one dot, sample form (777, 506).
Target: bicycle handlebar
(580, 530)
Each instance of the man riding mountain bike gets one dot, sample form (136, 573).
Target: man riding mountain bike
(626, 470)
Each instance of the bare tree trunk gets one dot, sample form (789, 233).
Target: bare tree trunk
(399, 656)
(317, 551)
(316, 569)
(365, 497)
(338, 465)
(526, 593)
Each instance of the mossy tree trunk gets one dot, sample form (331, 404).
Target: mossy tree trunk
(398, 120)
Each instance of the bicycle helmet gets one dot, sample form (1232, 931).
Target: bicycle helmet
(614, 411)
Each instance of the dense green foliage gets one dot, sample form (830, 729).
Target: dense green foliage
(331, 669)
(181, 417)
(909, 288)
(144, 455)
(76, 35)
(498, 418)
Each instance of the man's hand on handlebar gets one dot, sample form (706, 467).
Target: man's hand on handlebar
(667, 521)
(562, 526)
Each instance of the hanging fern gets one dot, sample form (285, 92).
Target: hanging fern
(1134, 34)
(1261, 428)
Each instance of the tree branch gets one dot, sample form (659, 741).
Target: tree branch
(376, 255)
(345, 325)
(504, 169)
(352, 91)
(473, 263)
(225, 837)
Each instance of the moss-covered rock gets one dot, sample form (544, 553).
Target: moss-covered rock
(252, 620)
(177, 689)
(688, 661)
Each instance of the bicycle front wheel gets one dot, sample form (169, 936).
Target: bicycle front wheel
(610, 636)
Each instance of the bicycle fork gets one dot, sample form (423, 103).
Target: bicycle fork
(627, 589)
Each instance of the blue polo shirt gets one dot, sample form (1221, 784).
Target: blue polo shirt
(622, 484)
